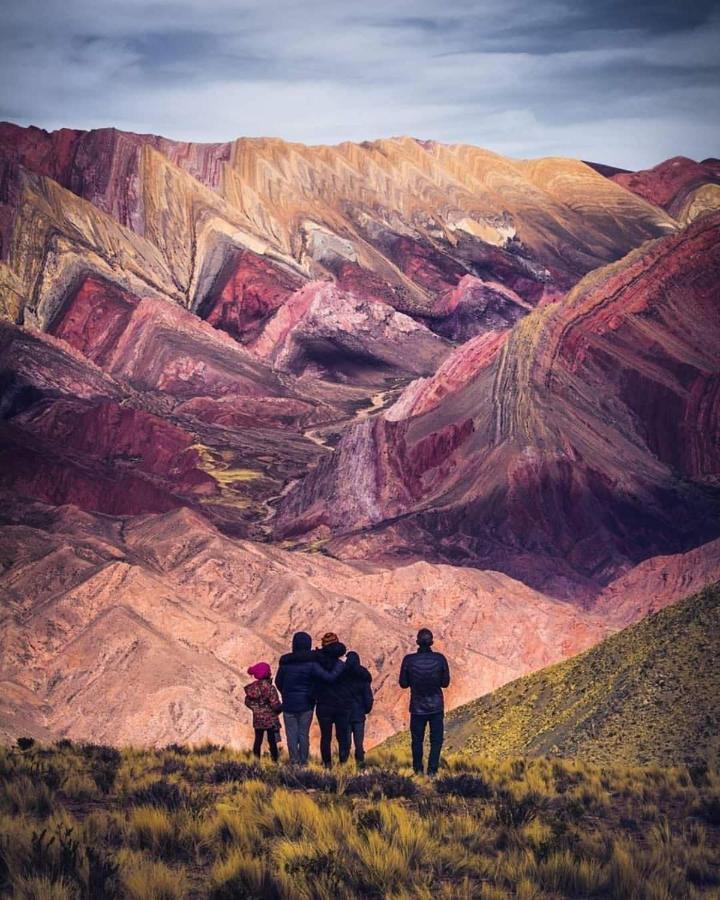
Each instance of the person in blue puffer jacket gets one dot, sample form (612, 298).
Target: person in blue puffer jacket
(298, 677)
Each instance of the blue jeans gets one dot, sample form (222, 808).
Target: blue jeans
(297, 733)
(418, 724)
(356, 736)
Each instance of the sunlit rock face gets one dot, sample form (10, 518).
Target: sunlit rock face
(239, 226)
(487, 387)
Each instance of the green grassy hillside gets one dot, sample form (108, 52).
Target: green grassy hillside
(650, 693)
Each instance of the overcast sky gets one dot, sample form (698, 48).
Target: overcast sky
(626, 82)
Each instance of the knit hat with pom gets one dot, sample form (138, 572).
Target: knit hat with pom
(329, 638)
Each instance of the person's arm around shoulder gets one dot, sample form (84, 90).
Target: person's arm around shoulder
(405, 673)
(445, 673)
(328, 675)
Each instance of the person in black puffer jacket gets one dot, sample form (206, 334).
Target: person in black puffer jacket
(334, 701)
(360, 681)
(298, 676)
(426, 673)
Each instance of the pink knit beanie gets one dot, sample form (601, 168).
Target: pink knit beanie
(260, 670)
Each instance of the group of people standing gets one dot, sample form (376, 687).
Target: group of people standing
(340, 694)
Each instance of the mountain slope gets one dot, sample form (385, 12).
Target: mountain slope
(140, 629)
(650, 693)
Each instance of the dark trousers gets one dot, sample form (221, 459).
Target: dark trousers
(340, 721)
(418, 724)
(272, 742)
(356, 736)
(297, 731)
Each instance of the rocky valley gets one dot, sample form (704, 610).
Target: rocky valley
(255, 387)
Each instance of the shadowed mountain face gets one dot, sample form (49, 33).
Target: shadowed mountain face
(426, 360)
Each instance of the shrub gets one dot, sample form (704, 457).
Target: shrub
(464, 786)
(172, 766)
(25, 743)
(104, 763)
(308, 779)
(624, 880)
(290, 814)
(161, 793)
(102, 878)
(40, 887)
(561, 873)
(143, 879)
(381, 784)
(79, 786)
(150, 828)
(239, 876)
(179, 749)
(207, 749)
(514, 812)
(22, 795)
(708, 808)
(382, 866)
(234, 771)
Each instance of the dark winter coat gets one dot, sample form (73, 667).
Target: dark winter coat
(332, 696)
(299, 674)
(262, 698)
(360, 681)
(426, 673)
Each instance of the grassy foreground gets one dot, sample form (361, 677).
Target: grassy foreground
(92, 822)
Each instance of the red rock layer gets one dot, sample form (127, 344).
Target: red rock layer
(249, 290)
(326, 331)
(163, 425)
(670, 183)
(94, 318)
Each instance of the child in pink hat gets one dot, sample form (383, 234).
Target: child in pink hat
(263, 699)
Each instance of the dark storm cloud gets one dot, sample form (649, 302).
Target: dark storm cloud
(620, 81)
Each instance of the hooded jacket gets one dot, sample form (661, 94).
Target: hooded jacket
(359, 681)
(426, 673)
(300, 673)
(262, 698)
(332, 696)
